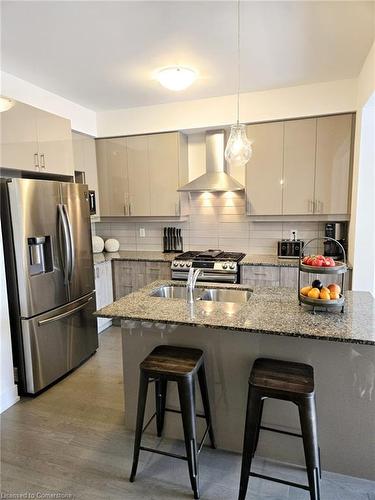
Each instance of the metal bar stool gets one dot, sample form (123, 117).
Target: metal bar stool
(294, 382)
(182, 365)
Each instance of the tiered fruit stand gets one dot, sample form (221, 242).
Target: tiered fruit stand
(340, 268)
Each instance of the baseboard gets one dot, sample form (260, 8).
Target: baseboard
(9, 397)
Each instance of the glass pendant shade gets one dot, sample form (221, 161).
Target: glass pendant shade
(238, 150)
(6, 103)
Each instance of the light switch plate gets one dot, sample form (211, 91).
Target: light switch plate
(142, 232)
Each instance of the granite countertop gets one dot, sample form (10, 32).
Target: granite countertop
(137, 255)
(273, 311)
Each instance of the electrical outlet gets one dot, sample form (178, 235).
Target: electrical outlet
(293, 234)
(142, 232)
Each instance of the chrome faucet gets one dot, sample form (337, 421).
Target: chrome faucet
(191, 281)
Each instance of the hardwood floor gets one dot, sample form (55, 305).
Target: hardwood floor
(71, 440)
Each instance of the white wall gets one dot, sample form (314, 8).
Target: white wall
(277, 104)
(8, 389)
(82, 119)
(361, 229)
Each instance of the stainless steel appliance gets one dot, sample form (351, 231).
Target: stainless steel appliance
(289, 249)
(338, 231)
(50, 278)
(217, 265)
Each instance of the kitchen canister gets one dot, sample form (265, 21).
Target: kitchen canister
(97, 244)
(111, 245)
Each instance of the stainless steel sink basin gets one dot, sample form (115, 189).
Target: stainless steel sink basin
(174, 292)
(226, 295)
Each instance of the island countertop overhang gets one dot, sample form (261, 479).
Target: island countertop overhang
(270, 310)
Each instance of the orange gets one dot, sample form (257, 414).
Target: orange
(324, 295)
(334, 288)
(325, 289)
(335, 295)
(305, 290)
(314, 293)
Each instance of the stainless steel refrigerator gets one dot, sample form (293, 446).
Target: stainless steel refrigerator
(50, 278)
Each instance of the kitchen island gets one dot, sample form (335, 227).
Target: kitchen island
(340, 347)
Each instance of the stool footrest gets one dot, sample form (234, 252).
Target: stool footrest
(272, 429)
(282, 481)
(172, 410)
(165, 453)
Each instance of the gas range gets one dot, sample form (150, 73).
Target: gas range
(217, 265)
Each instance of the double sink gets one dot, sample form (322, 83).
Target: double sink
(209, 294)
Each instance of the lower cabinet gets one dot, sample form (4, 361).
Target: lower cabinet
(104, 291)
(130, 275)
(260, 275)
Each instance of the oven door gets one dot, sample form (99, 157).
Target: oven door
(207, 276)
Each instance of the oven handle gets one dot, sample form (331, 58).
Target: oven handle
(229, 278)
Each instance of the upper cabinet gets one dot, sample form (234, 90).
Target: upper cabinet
(300, 167)
(32, 139)
(112, 162)
(265, 170)
(140, 175)
(333, 157)
(84, 153)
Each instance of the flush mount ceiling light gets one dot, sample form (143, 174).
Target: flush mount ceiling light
(6, 103)
(238, 150)
(176, 77)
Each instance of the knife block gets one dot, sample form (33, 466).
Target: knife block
(172, 240)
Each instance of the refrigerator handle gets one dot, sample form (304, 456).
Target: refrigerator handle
(65, 314)
(64, 242)
(71, 244)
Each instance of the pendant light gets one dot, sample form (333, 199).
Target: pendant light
(6, 103)
(238, 150)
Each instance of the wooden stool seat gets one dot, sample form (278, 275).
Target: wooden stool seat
(172, 361)
(284, 376)
(183, 365)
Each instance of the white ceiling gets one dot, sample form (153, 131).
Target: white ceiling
(102, 54)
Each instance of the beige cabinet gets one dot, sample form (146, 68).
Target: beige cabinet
(113, 190)
(84, 155)
(55, 143)
(139, 175)
(264, 172)
(260, 275)
(129, 276)
(32, 139)
(333, 157)
(164, 173)
(299, 166)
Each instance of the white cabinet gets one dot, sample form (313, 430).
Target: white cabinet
(84, 153)
(264, 172)
(32, 139)
(104, 291)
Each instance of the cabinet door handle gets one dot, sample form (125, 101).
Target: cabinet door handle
(42, 161)
(320, 206)
(130, 208)
(310, 208)
(125, 209)
(36, 161)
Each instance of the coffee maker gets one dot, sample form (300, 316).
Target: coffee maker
(337, 231)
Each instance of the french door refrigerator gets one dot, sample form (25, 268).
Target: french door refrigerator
(50, 278)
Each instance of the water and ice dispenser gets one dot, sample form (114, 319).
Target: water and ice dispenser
(40, 255)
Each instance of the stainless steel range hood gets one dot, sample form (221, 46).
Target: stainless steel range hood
(215, 178)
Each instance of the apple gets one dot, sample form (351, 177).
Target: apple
(334, 288)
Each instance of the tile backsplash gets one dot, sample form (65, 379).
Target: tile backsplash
(217, 220)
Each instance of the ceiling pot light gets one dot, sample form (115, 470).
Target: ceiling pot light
(238, 150)
(6, 103)
(176, 77)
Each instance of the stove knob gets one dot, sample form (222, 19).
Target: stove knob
(175, 264)
(233, 265)
(225, 265)
(182, 264)
(188, 264)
